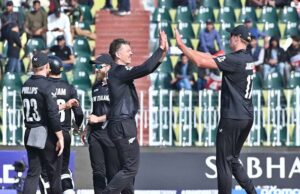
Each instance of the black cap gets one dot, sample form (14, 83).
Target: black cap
(9, 3)
(103, 59)
(39, 59)
(248, 20)
(56, 65)
(241, 31)
(60, 37)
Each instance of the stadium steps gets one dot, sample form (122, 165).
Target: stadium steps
(134, 28)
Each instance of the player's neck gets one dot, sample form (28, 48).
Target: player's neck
(119, 62)
(41, 73)
(239, 47)
(54, 76)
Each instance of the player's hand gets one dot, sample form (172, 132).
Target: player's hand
(92, 119)
(72, 102)
(60, 146)
(163, 41)
(178, 38)
(83, 135)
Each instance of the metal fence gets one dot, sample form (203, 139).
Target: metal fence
(183, 118)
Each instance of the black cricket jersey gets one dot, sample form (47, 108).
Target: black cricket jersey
(100, 99)
(101, 105)
(39, 103)
(123, 96)
(236, 92)
(64, 92)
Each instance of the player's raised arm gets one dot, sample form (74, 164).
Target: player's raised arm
(199, 58)
(126, 73)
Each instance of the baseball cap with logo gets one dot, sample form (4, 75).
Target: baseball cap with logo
(102, 59)
(241, 31)
(39, 59)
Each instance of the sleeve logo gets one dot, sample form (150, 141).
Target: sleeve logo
(128, 68)
(221, 59)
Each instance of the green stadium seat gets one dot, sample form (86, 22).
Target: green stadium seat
(294, 80)
(183, 14)
(289, 14)
(268, 14)
(165, 26)
(186, 30)
(291, 29)
(204, 14)
(247, 12)
(223, 27)
(12, 81)
(226, 14)
(84, 25)
(35, 44)
(272, 29)
(83, 63)
(187, 42)
(165, 3)
(64, 76)
(87, 15)
(215, 4)
(81, 46)
(82, 83)
(257, 81)
(166, 65)
(161, 14)
(163, 81)
(235, 4)
(273, 81)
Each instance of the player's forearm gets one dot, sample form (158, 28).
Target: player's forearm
(59, 134)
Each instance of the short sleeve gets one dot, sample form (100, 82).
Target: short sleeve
(227, 62)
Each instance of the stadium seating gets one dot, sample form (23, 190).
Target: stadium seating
(161, 14)
(183, 14)
(87, 15)
(291, 29)
(274, 81)
(211, 3)
(204, 14)
(166, 65)
(294, 80)
(163, 80)
(248, 12)
(269, 15)
(35, 44)
(82, 83)
(165, 26)
(288, 14)
(186, 30)
(11, 81)
(226, 14)
(272, 29)
(233, 4)
(81, 46)
(82, 63)
(165, 3)
(84, 25)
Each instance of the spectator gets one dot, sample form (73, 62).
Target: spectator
(124, 7)
(86, 2)
(53, 6)
(64, 52)
(192, 4)
(108, 5)
(277, 3)
(36, 22)
(252, 29)
(13, 50)
(274, 58)
(8, 19)
(184, 74)
(207, 38)
(257, 52)
(58, 24)
(293, 54)
(76, 16)
(43, 3)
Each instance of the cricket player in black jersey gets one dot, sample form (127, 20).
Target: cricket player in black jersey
(236, 106)
(66, 96)
(124, 105)
(103, 153)
(41, 111)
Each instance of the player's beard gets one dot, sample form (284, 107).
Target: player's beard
(100, 75)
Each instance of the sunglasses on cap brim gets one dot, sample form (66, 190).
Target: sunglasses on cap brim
(100, 66)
